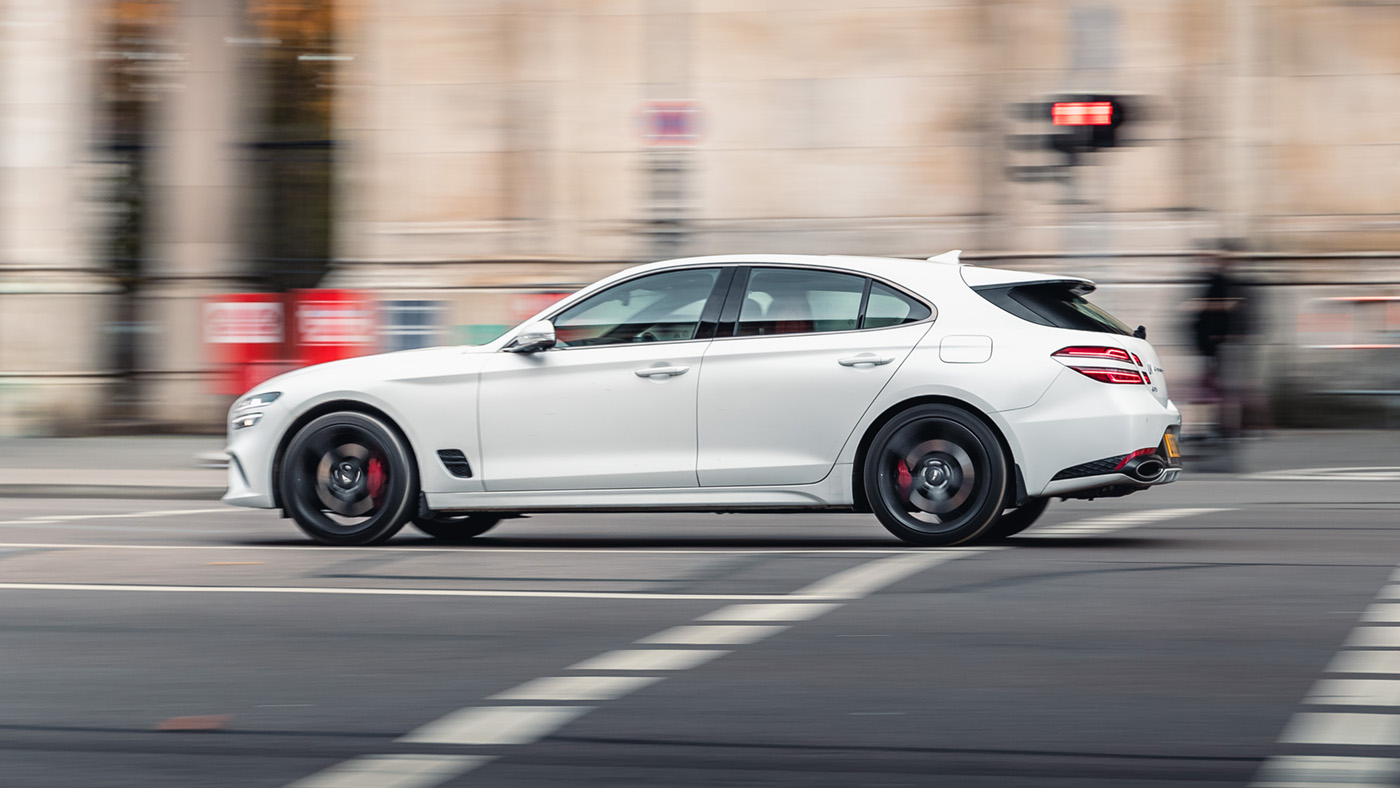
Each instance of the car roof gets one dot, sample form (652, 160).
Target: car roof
(929, 271)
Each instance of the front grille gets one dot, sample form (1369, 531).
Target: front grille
(455, 462)
(1095, 468)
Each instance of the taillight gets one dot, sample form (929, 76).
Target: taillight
(1101, 353)
(1106, 375)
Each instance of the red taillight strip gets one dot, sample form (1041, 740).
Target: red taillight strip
(1104, 375)
(1105, 353)
(1134, 455)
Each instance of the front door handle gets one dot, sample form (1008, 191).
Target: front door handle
(865, 358)
(662, 372)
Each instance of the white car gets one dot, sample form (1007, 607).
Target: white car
(950, 400)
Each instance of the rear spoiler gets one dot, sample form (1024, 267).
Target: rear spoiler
(978, 278)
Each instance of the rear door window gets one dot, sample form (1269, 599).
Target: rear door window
(799, 301)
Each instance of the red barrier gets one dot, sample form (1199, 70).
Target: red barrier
(328, 325)
(243, 334)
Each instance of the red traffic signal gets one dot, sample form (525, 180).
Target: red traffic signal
(1081, 113)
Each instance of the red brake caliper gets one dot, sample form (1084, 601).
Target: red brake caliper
(906, 479)
(375, 478)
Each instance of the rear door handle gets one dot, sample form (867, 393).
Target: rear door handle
(865, 358)
(662, 372)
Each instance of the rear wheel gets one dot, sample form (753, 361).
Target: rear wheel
(1014, 521)
(347, 479)
(935, 475)
(455, 527)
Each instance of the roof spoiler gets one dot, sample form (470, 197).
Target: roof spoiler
(949, 258)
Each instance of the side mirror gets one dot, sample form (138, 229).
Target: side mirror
(533, 338)
(1140, 332)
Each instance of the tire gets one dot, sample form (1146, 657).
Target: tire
(455, 528)
(1014, 521)
(348, 479)
(935, 475)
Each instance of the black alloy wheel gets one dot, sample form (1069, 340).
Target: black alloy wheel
(935, 475)
(348, 479)
(455, 528)
(1014, 521)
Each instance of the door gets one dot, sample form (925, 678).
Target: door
(612, 406)
(811, 350)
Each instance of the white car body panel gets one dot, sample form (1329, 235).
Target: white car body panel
(766, 421)
(555, 421)
(777, 409)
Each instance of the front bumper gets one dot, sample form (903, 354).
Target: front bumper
(251, 452)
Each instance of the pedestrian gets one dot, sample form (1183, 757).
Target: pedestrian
(1222, 327)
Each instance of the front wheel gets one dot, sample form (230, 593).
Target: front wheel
(455, 528)
(347, 479)
(935, 475)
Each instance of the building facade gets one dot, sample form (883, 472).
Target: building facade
(472, 152)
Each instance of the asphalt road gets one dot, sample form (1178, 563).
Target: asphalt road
(1188, 635)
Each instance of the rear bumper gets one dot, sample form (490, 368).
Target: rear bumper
(1080, 433)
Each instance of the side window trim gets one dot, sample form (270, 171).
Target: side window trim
(709, 326)
(729, 315)
(864, 302)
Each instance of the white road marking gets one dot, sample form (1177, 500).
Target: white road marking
(866, 579)
(1375, 473)
(501, 725)
(1374, 637)
(393, 771)
(310, 548)
(1382, 613)
(1346, 729)
(124, 515)
(447, 592)
(1342, 728)
(1114, 522)
(802, 611)
(1390, 592)
(1313, 771)
(496, 725)
(1365, 662)
(649, 659)
(1355, 692)
(577, 688)
(713, 635)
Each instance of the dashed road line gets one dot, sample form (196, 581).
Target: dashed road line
(648, 659)
(802, 611)
(394, 771)
(577, 688)
(496, 725)
(1310, 771)
(1114, 522)
(1371, 648)
(713, 635)
(504, 725)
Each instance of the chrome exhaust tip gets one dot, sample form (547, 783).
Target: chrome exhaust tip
(1147, 469)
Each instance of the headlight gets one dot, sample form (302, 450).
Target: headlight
(256, 401)
(246, 420)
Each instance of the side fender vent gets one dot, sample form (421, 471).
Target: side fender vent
(455, 462)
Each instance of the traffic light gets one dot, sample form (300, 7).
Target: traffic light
(1069, 125)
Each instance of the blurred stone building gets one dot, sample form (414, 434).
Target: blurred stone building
(470, 152)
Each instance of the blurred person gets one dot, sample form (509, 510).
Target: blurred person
(1222, 329)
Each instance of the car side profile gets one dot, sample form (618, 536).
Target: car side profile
(951, 401)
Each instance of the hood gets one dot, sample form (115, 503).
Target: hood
(363, 370)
